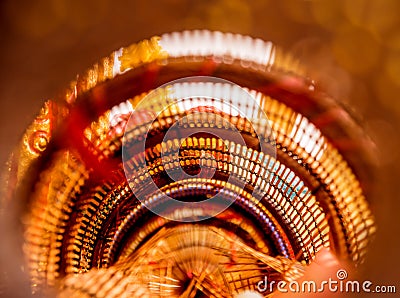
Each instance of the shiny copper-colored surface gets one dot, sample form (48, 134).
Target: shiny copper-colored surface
(350, 48)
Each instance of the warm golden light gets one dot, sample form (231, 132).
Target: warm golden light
(264, 140)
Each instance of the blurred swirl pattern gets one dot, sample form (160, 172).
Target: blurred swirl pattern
(294, 166)
(289, 188)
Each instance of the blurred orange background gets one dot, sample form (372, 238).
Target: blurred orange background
(352, 47)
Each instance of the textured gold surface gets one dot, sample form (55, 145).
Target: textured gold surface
(79, 213)
(36, 138)
(144, 52)
(47, 42)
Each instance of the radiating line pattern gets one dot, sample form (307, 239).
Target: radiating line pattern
(88, 228)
